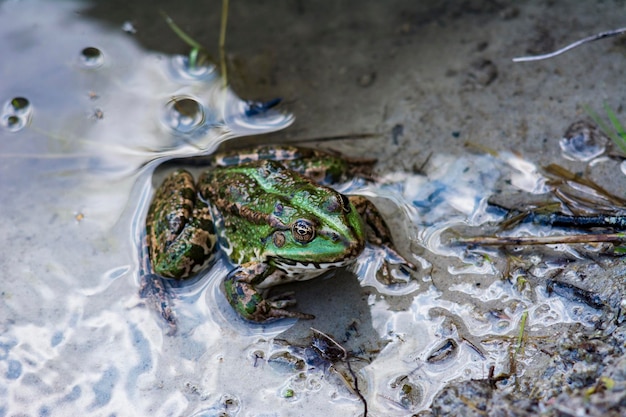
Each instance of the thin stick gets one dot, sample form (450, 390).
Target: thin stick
(540, 240)
(591, 38)
(520, 335)
(339, 137)
(223, 42)
(180, 33)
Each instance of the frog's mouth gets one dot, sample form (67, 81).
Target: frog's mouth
(288, 270)
(308, 268)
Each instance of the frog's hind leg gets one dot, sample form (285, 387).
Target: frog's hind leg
(379, 234)
(153, 288)
(180, 230)
(250, 303)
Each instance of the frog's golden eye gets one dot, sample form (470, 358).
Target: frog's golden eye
(303, 230)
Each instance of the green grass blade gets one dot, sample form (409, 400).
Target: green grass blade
(222, 41)
(522, 328)
(618, 139)
(181, 33)
(615, 121)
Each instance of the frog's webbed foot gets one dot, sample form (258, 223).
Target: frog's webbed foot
(274, 308)
(395, 268)
(152, 288)
(251, 304)
(279, 302)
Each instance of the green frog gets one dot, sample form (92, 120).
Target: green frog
(272, 212)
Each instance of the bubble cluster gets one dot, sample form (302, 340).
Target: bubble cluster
(16, 114)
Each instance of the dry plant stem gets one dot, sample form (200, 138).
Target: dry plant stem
(565, 175)
(339, 137)
(591, 38)
(222, 42)
(540, 240)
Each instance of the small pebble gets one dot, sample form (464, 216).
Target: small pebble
(366, 80)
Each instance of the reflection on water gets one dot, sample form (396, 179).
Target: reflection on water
(82, 129)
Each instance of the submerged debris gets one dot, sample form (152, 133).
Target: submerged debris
(583, 141)
(332, 351)
(574, 293)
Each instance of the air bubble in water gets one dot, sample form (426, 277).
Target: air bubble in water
(182, 69)
(91, 57)
(184, 114)
(583, 142)
(13, 123)
(247, 118)
(20, 105)
(15, 114)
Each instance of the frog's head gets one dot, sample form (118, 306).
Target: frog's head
(321, 229)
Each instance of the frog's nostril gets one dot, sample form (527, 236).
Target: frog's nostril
(279, 239)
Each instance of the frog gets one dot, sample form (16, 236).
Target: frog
(273, 212)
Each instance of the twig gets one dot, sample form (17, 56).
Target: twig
(540, 240)
(520, 335)
(592, 38)
(339, 137)
(565, 175)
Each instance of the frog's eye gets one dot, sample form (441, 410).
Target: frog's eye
(303, 230)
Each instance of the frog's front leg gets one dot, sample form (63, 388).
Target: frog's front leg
(379, 234)
(251, 304)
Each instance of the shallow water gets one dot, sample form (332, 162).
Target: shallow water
(76, 172)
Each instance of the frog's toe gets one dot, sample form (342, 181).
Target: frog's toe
(251, 305)
(274, 308)
(279, 302)
(282, 300)
(154, 290)
(267, 310)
